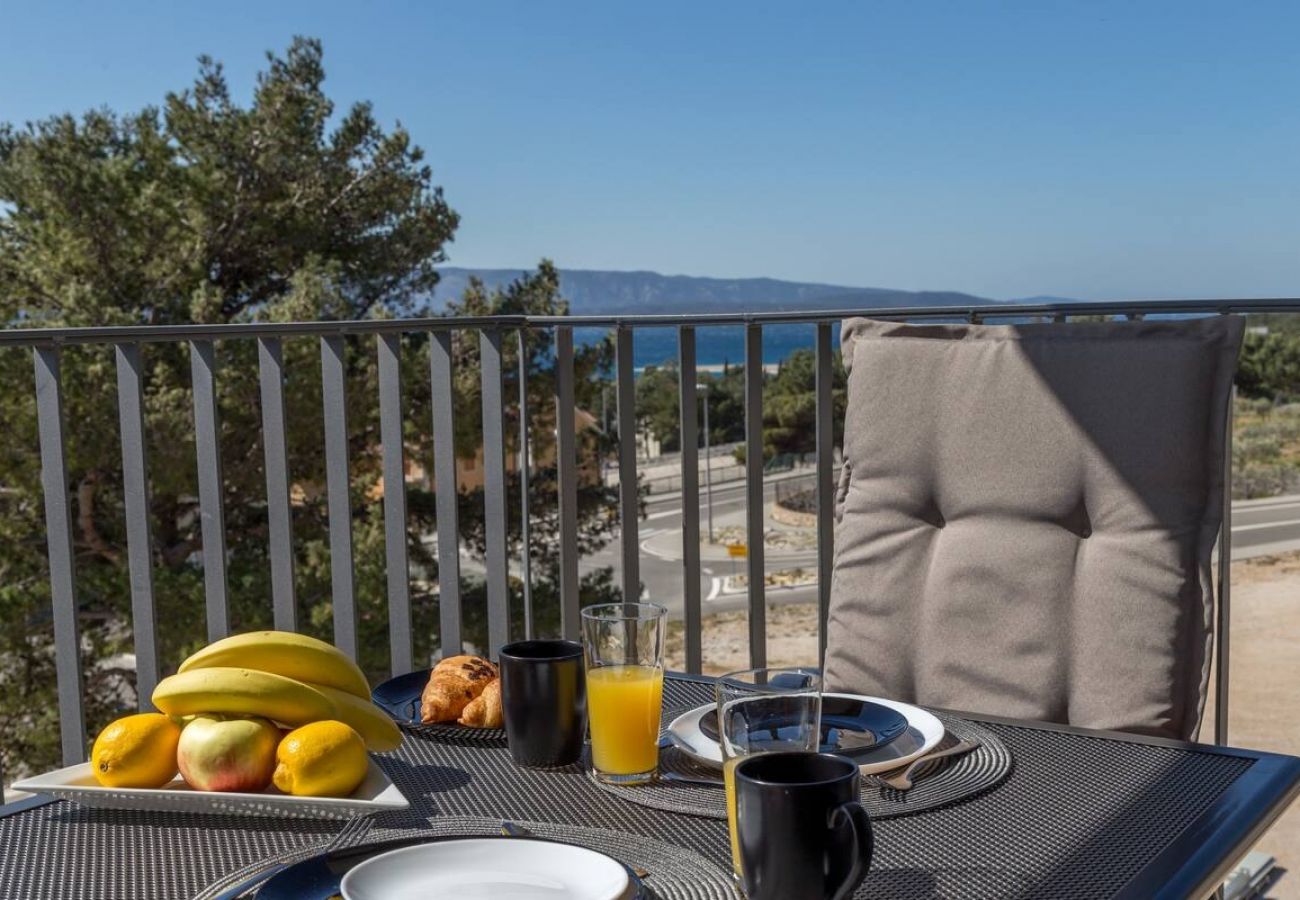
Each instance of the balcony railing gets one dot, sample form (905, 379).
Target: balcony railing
(47, 346)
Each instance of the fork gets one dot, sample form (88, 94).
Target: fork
(902, 779)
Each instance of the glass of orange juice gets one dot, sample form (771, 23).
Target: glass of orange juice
(764, 711)
(623, 645)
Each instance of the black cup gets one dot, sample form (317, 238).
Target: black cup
(544, 701)
(803, 833)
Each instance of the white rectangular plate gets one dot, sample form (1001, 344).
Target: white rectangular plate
(77, 783)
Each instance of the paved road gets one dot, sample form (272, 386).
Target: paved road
(1259, 527)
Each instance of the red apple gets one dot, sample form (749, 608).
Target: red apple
(219, 753)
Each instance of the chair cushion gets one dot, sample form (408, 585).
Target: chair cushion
(1026, 515)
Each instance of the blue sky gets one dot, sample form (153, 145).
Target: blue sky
(1083, 149)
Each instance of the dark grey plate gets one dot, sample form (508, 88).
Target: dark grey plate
(849, 725)
(400, 698)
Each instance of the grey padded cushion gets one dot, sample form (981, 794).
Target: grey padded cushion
(1026, 515)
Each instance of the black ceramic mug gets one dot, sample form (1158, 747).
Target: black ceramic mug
(803, 833)
(544, 701)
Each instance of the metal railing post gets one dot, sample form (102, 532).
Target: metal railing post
(270, 364)
(448, 493)
(689, 436)
(628, 505)
(58, 536)
(139, 536)
(754, 537)
(566, 439)
(212, 516)
(494, 491)
(1222, 630)
(825, 483)
(526, 554)
(394, 468)
(338, 487)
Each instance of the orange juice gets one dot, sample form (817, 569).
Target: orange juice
(623, 705)
(729, 779)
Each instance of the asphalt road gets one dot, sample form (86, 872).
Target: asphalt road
(1259, 527)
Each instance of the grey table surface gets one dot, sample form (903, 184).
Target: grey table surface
(1082, 815)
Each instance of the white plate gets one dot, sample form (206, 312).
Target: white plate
(923, 733)
(479, 868)
(77, 783)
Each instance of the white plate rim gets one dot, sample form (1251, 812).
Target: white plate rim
(63, 783)
(685, 729)
(624, 890)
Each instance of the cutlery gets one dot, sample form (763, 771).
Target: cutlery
(901, 779)
(678, 778)
(511, 829)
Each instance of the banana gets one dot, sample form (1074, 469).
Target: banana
(246, 692)
(373, 724)
(284, 653)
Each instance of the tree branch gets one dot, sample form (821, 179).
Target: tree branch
(86, 517)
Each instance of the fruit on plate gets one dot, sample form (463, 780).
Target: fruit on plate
(323, 759)
(374, 725)
(136, 751)
(284, 653)
(224, 753)
(238, 691)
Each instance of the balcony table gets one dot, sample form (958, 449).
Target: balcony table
(1083, 814)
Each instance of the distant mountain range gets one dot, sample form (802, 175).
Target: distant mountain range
(593, 292)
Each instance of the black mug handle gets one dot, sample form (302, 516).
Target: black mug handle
(859, 824)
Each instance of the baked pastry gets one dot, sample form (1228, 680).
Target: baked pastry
(484, 711)
(454, 683)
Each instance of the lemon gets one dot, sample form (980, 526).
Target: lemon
(136, 752)
(323, 759)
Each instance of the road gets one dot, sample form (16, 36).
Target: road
(1259, 527)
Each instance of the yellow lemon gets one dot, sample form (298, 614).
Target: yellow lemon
(136, 752)
(323, 759)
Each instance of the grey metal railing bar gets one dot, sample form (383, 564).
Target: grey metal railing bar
(494, 490)
(212, 515)
(139, 537)
(333, 367)
(526, 559)
(444, 477)
(1222, 628)
(171, 333)
(754, 545)
(395, 552)
(566, 440)
(58, 535)
(825, 483)
(270, 370)
(689, 438)
(629, 508)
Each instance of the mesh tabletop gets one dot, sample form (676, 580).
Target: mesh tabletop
(1078, 817)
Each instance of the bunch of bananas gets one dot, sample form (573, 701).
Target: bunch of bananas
(290, 678)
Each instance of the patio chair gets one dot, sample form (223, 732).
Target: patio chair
(1026, 516)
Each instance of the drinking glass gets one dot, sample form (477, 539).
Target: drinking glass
(623, 646)
(764, 711)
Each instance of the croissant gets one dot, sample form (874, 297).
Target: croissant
(455, 682)
(484, 711)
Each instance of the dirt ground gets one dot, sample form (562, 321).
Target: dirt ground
(1265, 667)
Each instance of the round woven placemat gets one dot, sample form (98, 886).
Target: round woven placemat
(940, 783)
(675, 873)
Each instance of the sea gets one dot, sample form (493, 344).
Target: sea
(715, 346)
